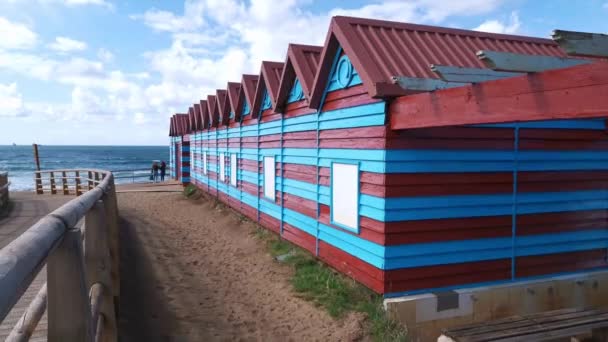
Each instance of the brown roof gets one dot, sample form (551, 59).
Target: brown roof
(212, 110)
(380, 49)
(270, 76)
(204, 114)
(191, 120)
(246, 93)
(197, 116)
(222, 106)
(302, 62)
(233, 94)
(171, 127)
(182, 123)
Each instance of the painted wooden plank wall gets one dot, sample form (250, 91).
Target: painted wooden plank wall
(439, 207)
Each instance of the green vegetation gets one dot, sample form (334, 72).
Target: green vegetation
(335, 292)
(190, 190)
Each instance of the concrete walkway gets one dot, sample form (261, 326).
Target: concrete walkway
(26, 210)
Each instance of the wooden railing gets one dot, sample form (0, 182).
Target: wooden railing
(83, 286)
(77, 182)
(68, 182)
(4, 184)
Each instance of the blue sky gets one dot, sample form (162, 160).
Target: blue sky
(106, 72)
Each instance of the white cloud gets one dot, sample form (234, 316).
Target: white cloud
(73, 3)
(65, 44)
(212, 42)
(11, 103)
(139, 118)
(105, 55)
(512, 26)
(16, 35)
(168, 21)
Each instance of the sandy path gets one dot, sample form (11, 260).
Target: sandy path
(193, 272)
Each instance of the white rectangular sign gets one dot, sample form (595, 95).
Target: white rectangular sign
(345, 194)
(222, 167)
(269, 177)
(205, 162)
(233, 169)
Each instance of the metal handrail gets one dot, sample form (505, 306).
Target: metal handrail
(56, 241)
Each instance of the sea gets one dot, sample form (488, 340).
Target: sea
(125, 161)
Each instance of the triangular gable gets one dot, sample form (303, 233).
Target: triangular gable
(212, 111)
(268, 87)
(222, 106)
(204, 114)
(182, 120)
(245, 98)
(233, 95)
(191, 120)
(380, 50)
(197, 117)
(298, 74)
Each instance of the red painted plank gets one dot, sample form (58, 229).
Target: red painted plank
(360, 132)
(349, 97)
(417, 278)
(270, 223)
(576, 92)
(295, 109)
(353, 267)
(299, 237)
(562, 262)
(545, 223)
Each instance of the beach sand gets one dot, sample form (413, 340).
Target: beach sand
(193, 271)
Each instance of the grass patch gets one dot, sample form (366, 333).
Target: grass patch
(333, 291)
(190, 191)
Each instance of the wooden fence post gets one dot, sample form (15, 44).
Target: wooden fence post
(68, 301)
(97, 178)
(39, 189)
(111, 211)
(64, 181)
(77, 182)
(53, 188)
(98, 271)
(90, 180)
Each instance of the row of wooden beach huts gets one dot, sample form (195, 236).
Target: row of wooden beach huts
(352, 151)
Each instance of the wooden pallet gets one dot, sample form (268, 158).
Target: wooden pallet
(544, 326)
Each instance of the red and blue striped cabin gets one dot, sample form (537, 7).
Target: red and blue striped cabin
(306, 150)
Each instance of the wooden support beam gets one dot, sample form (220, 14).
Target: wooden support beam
(470, 75)
(53, 188)
(64, 182)
(573, 93)
(68, 307)
(415, 84)
(507, 61)
(582, 43)
(77, 183)
(98, 268)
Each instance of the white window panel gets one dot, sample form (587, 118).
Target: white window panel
(269, 177)
(345, 195)
(222, 167)
(205, 162)
(233, 169)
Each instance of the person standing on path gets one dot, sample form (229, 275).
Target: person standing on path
(155, 171)
(163, 170)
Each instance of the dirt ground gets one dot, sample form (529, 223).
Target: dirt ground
(193, 271)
